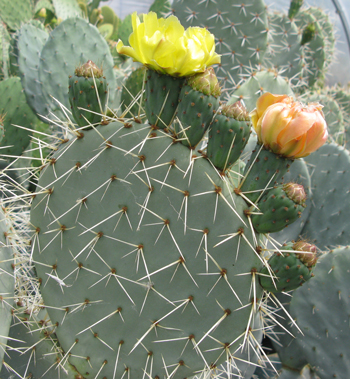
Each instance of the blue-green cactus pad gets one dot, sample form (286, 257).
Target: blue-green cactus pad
(16, 12)
(290, 272)
(134, 241)
(321, 309)
(328, 224)
(240, 30)
(73, 42)
(33, 351)
(14, 108)
(7, 281)
(259, 83)
(66, 8)
(31, 41)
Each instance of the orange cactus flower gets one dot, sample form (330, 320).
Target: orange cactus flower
(287, 127)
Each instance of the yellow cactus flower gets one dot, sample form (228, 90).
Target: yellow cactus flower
(165, 46)
(287, 127)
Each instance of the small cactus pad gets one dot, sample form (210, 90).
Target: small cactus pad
(289, 270)
(88, 94)
(298, 173)
(228, 135)
(198, 104)
(161, 98)
(263, 170)
(279, 207)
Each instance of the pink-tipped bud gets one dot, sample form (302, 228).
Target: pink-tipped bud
(295, 192)
(88, 70)
(236, 110)
(205, 82)
(308, 253)
(287, 127)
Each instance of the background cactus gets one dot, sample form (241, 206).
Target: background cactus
(247, 72)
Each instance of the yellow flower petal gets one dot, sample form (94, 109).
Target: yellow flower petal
(165, 46)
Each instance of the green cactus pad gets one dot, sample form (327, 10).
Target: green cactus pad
(70, 44)
(125, 29)
(15, 13)
(161, 98)
(298, 173)
(284, 53)
(88, 94)
(328, 224)
(239, 29)
(313, 52)
(279, 209)
(66, 8)
(195, 113)
(5, 43)
(228, 135)
(31, 41)
(321, 309)
(264, 169)
(332, 112)
(132, 241)
(328, 33)
(33, 350)
(257, 84)
(294, 7)
(7, 280)
(286, 272)
(15, 111)
(131, 92)
(161, 7)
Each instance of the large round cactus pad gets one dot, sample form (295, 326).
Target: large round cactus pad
(153, 253)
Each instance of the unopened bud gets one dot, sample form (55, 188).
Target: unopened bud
(205, 82)
(295, 192)
(42, 13)
(308, 253)
(88, 70)
(236, 110)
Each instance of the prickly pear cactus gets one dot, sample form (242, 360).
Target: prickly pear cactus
(72, 43)
(14, 13)
(239, 29)
(14, 110)
(324, 343)
(7, 280)
(141, 248)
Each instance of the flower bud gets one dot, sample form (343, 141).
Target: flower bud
(308, 253)
(88, 70)
(205, 82)
(236, 110)
(287, 127)
(42, 13)
(295, 192)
